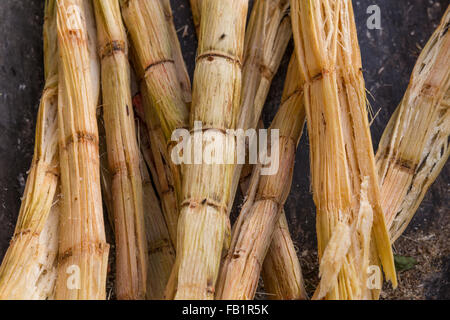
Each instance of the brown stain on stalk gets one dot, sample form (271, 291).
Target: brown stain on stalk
(81, 137)
(111, 48)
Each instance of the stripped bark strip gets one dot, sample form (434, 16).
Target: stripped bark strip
(414, 147)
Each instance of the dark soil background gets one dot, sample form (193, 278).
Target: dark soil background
(388, 57)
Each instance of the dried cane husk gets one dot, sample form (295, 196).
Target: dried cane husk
(414, 147)
(344, 180)
(28, 270)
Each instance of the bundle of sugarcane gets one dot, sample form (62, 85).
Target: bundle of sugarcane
(159, 64)
(268, 33)
(83, 251)
(414, 146)
(350, 219)
(28, 270)
(123, 153)
(253, 232)
(204, 223)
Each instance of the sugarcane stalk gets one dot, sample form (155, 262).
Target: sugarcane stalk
(414, 147)
(268, 33)
(28, 270)
(204, 221)
(345, 185)
(253, 232)
(160, 66)
(83, 251)
(123, 153)
(281, 271)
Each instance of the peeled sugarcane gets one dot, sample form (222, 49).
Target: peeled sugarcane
(28, 270)
(159, 64)
(350, 218)
(83, 251)
(414, 147)
(123, 153)
(253, 232)
(267, 36)
(204, 223)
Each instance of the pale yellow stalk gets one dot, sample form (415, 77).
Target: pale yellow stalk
(350, 219)
(414, 147)
(28, 270)
(206, 192)
(123, 153)
(83, 251)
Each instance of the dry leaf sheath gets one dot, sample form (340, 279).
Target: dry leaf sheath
(83, 251)
(123, 153)
(28, 270)
(204, 224)
(345, 185)
(414, 147)
(159, 64)
(253, 232)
